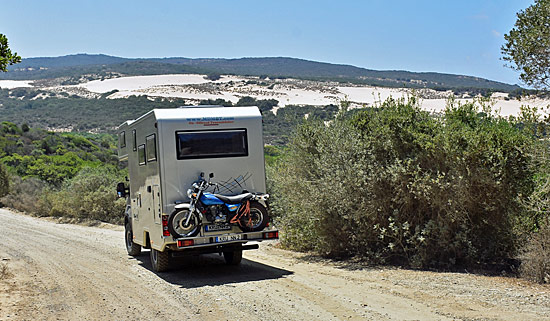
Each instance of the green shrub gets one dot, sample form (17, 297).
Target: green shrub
(535, 253)
(90, 195)
(4, 181)
(395, 184)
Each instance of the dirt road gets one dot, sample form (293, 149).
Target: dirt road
(72, 272)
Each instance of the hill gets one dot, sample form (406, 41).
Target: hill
(278, 67)
(52, 157)
(101, 115)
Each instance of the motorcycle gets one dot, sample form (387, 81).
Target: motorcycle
(247, 210)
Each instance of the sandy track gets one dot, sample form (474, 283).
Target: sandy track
(70, 272)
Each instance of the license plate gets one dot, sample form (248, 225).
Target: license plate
(217, 227)
(228, 238)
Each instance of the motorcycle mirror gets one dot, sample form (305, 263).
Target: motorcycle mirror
(211, 175)
(201, 174)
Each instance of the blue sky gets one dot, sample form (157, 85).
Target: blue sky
(459, 37)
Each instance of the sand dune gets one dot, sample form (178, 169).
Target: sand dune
(10, 84)
(143, 82)
(195, 88)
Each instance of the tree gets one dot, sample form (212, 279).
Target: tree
(6, 57)
(246, 101)
(527, 45)
(213, 76)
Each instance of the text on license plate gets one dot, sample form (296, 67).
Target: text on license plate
(227, 238)
(217, 227)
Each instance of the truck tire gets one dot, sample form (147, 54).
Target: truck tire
(258, 218)
(233, 257)
(160, 260)
(132, 248)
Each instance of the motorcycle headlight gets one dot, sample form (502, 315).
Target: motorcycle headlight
(189, 193)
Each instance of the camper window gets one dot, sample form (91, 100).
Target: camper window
(211, 144)
(134, 139)
(141, 154)
(122, 139)
(151, 148)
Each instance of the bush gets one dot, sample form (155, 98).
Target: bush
(535, 256)
(4, 271)
(212, 76)
(90, 195)
(4, 181)
(396, 185)
(24, 195)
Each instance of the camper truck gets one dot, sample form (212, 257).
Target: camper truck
(196, 183)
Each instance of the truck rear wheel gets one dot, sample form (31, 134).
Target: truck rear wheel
(160, 260)
(233, 257)
(132, 248)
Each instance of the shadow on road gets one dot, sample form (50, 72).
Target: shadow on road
(211, 270)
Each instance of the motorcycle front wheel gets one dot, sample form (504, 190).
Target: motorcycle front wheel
(177, 227)
(257, 220)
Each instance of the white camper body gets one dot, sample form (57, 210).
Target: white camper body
(167, 149)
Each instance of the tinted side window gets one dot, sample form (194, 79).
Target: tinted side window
(122, 139)
(211, 144)
(134, 140)
(141, 154)
(151, 148)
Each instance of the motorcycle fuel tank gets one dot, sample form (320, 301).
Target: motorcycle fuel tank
(209, 199)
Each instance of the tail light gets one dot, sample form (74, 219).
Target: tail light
(271, 235)
(165, 231)
(184, 243)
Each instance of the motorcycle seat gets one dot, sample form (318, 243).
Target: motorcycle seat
(234, 199)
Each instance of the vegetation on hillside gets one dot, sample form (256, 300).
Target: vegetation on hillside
(280, 67)
(55, 174)
(79, 114)
(21, 106)
(277, 127)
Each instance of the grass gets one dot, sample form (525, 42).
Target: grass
(4, 271)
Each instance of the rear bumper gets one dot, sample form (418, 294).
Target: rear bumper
(212, 241)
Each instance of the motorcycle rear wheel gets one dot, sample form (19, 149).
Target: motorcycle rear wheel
(176, 224)
(258, 218)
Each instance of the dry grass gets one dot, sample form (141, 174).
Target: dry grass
(535, 260)
(4, 271)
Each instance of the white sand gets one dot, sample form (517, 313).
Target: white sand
(143, 82)
(174, 86)
(10, 84)
(370, 95)
(287, 92)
